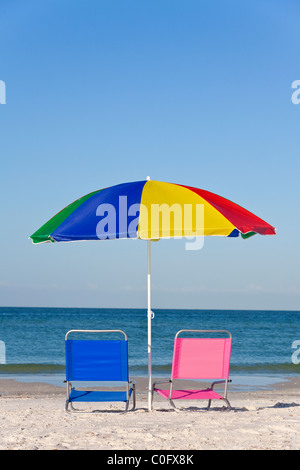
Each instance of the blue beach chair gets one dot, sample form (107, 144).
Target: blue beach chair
(98, 361)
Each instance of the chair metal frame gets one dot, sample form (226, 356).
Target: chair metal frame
(171, 381)
(130, 385)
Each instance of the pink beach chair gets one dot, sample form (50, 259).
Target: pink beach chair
(199, 359)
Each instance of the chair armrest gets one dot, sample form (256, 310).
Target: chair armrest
(219, 382)
(162, 382)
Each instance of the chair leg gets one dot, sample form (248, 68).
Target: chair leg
(69, 407)
(224, 399)
(134, 398)
(172, 404)
(228, 404)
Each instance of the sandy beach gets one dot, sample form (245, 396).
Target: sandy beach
(33, 417)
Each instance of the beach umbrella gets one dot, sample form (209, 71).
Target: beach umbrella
(150, 210)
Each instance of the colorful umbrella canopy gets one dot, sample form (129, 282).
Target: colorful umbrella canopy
(150, 210)
(140, 210)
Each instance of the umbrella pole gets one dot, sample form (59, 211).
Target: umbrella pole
(149, 315)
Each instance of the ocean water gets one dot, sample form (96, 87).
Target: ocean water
(263, 348)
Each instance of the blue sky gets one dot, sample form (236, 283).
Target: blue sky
(191, 92)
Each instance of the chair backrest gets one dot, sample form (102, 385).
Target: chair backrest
(201, 358)
(96, 360)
